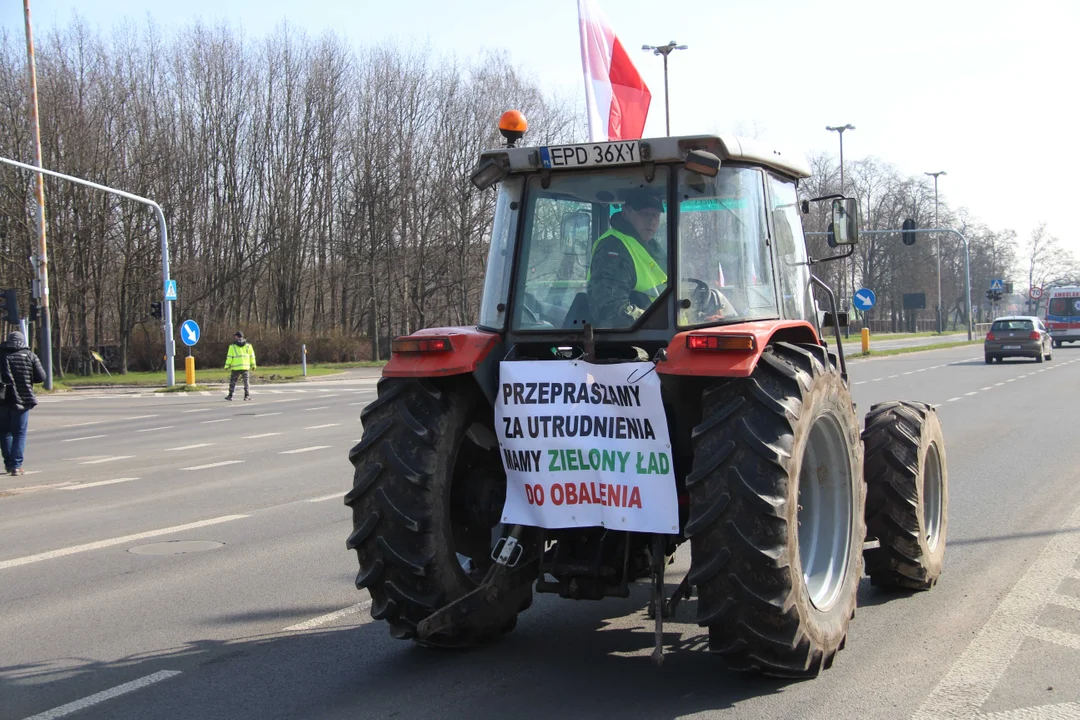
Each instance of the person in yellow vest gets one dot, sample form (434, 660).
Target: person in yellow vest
(629, 265)
(241, 361)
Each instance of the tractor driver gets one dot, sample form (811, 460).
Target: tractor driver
(629, 266)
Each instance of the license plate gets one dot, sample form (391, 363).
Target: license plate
(1010, 347)
(590, 155)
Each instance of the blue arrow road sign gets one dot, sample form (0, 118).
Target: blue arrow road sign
(997, 284)
(189, 332)
(864, 299)
(170, 290)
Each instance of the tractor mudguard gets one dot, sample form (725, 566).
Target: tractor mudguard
(470, 346)
(681, 360)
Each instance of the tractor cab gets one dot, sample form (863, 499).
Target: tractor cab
(641, 240)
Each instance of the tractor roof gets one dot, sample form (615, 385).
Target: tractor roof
(728, 148)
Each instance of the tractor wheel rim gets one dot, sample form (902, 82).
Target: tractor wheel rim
(932, 497)
(825, 512)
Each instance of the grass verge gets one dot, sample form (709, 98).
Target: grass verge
(183, 388)
(262, 376)
(907, 336)
(904, 351)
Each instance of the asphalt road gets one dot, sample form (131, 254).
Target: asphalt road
(251, 610)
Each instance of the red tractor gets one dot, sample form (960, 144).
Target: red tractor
(684, 256)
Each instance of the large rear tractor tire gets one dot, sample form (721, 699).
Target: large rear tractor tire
(907, 497)
(776, 514)
(428, 490)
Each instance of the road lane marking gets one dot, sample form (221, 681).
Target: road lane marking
(324, 498)
(976, 392)
(189, 447)
(96, 422)
(998, 384)
(207, 422)
(266, 414)
(302, 450)
(197, 410)
(106, 459)
(287, 400)
(81, 486)
(369, 402)
(164, 427)
(330, 617)
(988, 387)
(253, 437)
(861, 382)
(17, 562)
(952, 399)
(104, 695)
(973, 677)
(88, 437)
(320, 427)
(213, 465)
(141, 417)
(321, 407)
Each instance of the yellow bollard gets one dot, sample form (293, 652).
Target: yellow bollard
(866, 340)
(189, 369)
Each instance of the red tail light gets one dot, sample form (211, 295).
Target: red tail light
(720, 342)
(989, 336)
(1034, 335)
(422, 344)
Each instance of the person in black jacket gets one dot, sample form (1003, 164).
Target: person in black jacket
(19, 370)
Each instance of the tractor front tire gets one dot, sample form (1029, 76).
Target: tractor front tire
(907, 495)
(419, 476)
(776, 514)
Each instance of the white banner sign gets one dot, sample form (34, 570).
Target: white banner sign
(585, 445)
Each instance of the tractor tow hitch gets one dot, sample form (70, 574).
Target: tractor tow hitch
(507, 555)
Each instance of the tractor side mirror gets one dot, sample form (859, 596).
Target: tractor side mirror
(845, 221)
(827, 321)
(574, 232)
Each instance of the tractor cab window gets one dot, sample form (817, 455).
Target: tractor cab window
(593, 249)
(501, 254)
(791, 259)
(725, 271)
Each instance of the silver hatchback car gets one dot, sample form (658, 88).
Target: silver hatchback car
(1018, 336)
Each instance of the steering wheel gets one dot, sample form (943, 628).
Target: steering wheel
(708, 302)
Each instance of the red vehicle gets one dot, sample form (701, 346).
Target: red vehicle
(783, 504)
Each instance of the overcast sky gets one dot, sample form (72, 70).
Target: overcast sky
(983, 89)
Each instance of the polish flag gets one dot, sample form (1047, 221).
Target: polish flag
(615, 95)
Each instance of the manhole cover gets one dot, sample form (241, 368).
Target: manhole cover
(176, 547)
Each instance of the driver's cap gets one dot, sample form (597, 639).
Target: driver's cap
(643, 200)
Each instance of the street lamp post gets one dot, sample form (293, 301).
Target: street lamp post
(41, 260)
(937, 245)
(665, 50)
(840, 130)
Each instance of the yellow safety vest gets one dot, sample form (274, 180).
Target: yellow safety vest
(240, 358)
(651, 278)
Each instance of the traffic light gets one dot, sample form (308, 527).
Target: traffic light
(155, 308)
(990, 295)
(1008, 288)
(908, 232)
(33, 315)
(9, 305)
